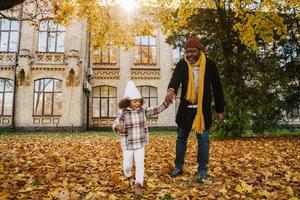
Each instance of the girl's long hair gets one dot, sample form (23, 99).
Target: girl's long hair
(124, 103)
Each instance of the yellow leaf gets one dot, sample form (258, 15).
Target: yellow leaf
(288, 176)
(223, 191)
(112, 197)
(150, 183)
(27, 189)
(1, 168)
(246, 187)
(290, 191)
(239, 189)
(266, 194)
(95, 195)
(64, 195)
(4, 194)
(274, 184)
(243, 187)
(293, 198)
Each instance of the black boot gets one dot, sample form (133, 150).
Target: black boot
(175, 172)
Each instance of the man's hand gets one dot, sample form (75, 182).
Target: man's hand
(120, 128)
(219, 118)
(170, 96)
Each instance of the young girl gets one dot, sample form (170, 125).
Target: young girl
(131, 125)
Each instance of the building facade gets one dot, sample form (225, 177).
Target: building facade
(50, 80)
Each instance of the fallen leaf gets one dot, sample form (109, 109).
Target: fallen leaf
(4, 194)
(64, 195)
(266, 194)
(223, 191)
(246, 187)
(239, 189)
(290, 191)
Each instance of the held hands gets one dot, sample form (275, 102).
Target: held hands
(170, 96)
(219, 118)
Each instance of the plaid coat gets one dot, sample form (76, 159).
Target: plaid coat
(136, 128)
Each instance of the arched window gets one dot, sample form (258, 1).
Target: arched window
(104, 101)
(47, 97)
(145, 50)
(149, 95)
(6, 96)
(51, 37)
(9, 35)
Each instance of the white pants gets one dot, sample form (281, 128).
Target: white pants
(137, 156)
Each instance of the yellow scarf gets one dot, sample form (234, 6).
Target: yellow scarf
(198, 124)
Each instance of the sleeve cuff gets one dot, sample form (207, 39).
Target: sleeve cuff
(171, 89)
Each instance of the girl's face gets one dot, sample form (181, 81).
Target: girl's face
(135, 104)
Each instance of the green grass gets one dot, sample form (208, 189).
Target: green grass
(78, 134)
(91, 134)
(59, 134)
(274, 133)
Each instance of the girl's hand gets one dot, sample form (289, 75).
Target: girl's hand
(120, 128)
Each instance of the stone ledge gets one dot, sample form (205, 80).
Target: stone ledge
(151, 128)
(49, 128)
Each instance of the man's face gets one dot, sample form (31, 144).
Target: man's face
(192, 55)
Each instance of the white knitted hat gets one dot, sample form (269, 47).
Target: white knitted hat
(131, 92)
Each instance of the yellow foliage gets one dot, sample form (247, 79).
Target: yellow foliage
(107, 22)
(243, 188)
(254, 18)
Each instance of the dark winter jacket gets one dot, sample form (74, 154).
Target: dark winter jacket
(212, 85)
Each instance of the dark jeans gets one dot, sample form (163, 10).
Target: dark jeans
(203, 145)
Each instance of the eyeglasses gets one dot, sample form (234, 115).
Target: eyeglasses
(192, 51)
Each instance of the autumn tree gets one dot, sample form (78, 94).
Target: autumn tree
(106, 20)
(244, 37)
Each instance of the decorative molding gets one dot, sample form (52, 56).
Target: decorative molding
(111, 74)
(73, 54)
(145, 66)
(105, 66)
(144, 74)
(50, 58)
(5, 121)
(7, 58)
(6, 68)
(152, 121)
(102, 122)
(48, 67)
(46, 121)
(24, 53)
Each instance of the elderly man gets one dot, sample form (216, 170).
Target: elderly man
(199, 79)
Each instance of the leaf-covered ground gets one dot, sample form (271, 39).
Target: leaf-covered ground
(47, 167)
